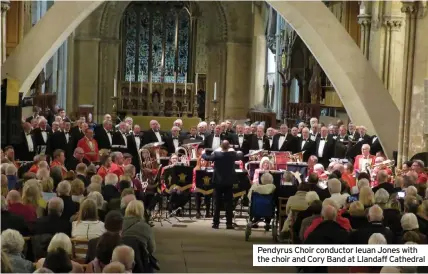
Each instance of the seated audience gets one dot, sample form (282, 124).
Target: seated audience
(12, 221)
(110, 190)
(356, 215)
(70, 207)
(104, 251)
(87, 226)
(381, 197)
(335, 187)
(6, 267)
(53, 223)
(125, 201)
(77, 190)
(16, 206)
(135, 225)
(366, 197)
(288, 187)
(32, 195)
(12, 178)
(114, 267)
(63, 242)
(124, 255)
(422, 216)
(315, 209)
(409, 222)
(375, 217)
(99, 200)
(47, 189)
(383, 182)
(12, 244)
(58, 261)
(377, 239)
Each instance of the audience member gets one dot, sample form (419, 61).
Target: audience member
(104, 251)
(70, 207)
(53, 223)
(88, 225)
(124, 255)
(12, 244)
(12, 221)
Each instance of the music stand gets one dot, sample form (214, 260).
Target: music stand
(178, 178)
(204, 184)
(240, 189)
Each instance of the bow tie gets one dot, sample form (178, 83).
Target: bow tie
(282, 135)
(270, 138)
(216, 135)
(305, 140)
(27, 134)
(260, 139)
(43, 130)
(65, 132)
(323, 139)
(192, 137)
(240, 135)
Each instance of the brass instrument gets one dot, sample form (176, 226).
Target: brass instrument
(297, 157)
(184, 158)
(385, 164)
(103, 152)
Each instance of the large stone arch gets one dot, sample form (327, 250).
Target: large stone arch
(360, 89)
(362, 92)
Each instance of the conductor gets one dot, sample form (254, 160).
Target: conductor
(223, 179)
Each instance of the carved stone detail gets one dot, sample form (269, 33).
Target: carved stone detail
(393, 22)
(364, 20)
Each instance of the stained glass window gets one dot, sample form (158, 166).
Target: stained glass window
(155, 37)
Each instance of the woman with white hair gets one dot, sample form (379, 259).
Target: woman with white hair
(99, 200)
(265, 165)
(61, 240)
(409, 222)
(12, 243)
(381, 197)
(377, 239)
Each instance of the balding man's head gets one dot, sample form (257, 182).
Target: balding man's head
(13, 197)
(375, 214)
(329, 213)
(55, 206)
(114, 267)
(225, 145)
(125, 255)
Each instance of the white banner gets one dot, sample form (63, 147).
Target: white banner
(340, 255)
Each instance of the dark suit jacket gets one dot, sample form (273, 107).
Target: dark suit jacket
(308, 148)
(387, 186)
(224, 167)
(119, 143)
(83, 179)
(38, 138)
(150, 137)
(328, 151)
(52, 224)
(21, 150)
(100, 135)
(70, 207)
(76, 134)
(133, 149)
(208, 142)
(362, 235)
(375, 145)
(255, 143)
(169, 142)
(245, 147)
(12, 221)
(71, 163)
(290, 143)
(58, 140)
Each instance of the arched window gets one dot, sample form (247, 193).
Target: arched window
(156, 39)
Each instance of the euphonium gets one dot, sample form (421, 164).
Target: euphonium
(185, 155)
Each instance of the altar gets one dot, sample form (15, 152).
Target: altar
(165, 122)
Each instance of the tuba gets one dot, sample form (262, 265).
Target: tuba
(184, 154)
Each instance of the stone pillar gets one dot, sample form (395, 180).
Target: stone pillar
(410, 9)
(377, 38)
(364, 19)
(5, 5)
(258, 64)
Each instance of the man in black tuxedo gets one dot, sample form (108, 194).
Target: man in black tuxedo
(41, 136)
(62, 140)
(193, 135)
(223, 179)
(179, 123)
(352, 132)
(214, 140)
(270, 133)
(174, 140)
(375, 145)
(62, 114)
(202, 130)
(306, 144)
(153, 135)
(104, 135)
(241, 140)
(260, 141)
(120, 141)
(78, 132)
(26, 150)
(364, 137)
(53, 223)
(77, 158)
(134, 145)
(229, 126)
(283, 141)
(324, 148)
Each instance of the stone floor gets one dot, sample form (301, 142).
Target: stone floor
(193, 246)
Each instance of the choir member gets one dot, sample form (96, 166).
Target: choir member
(283, 141)
(260, 141)
(41, 136)
(153, 135)
(104, 135)
(120, 141)
(174, 140)
(306, 145)
(77, 158)
(25, 151)
(62, 140)
(134, 145)
(214, 140)
(324, 147)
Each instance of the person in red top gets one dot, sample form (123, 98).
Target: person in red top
(37, 159)
(365, 157)
(200, 165)
(59, 159)
(418, 166)
(16, 206)
(89, 146)
(104, 169)
(348, 175)
(117, 163)
(343, 222)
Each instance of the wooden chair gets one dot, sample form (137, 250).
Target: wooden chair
(80, 248)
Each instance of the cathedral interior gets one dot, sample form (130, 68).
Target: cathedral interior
(359, 61)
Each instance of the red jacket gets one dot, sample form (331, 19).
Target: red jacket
(343, 222)
(103, 171)
(117, 169)
(357, 162)
(63, 169)
(91, 154)
(422, 178)
(26, 211)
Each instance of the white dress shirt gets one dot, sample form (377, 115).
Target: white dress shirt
(137, 141)
(281, 141)
(158, 136)
(175, 142)
(29, 142)
(67, 136)
(321, 148)
(109, 137)
(216, 142)
(303, 144)
(45, 136)
(240, 139)
(124, 139)
(260, 142)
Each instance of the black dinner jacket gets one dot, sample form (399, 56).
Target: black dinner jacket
(308, 148)
(38, 137)
(195, 137)
(355, 136)
(132, 145)
(59, 141)
(224, 167)
(21, 149)
(290, 143)
(255, 143)
(375, 145)
(208, 142)
(100, 135)
(170, 143)
(150, 137)
(246, 142)
(328, 151)
(76, 134)
(117, 140)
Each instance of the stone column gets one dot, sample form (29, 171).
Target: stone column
(258, 60)
(411, 10)
(392, 25)
(364, 20)
(5, 5)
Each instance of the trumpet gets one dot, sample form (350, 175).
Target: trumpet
(385, 164)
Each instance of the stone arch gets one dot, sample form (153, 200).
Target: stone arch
(360, 89)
